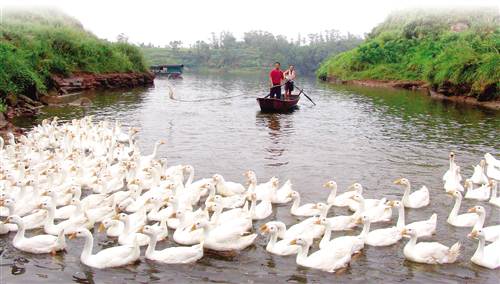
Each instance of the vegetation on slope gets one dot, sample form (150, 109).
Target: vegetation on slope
(455, 51)
(257, 50)
(36, 44)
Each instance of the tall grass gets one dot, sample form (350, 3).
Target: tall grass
(426, 46)
(35, 44)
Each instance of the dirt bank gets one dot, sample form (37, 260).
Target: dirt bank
(67, 89)
(449, 94)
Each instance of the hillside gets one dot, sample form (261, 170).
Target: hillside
(36, 45)
(456, 52)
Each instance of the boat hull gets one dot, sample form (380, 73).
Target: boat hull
(276, 105)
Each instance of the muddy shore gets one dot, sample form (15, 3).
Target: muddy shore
(442, 94)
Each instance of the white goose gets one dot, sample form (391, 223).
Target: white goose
(486, 256)
(223, 238)
(451, 169)
(305, 210)
(495, 200)
(329, 260)
(227, 188)
(429, 252)
(481, 193)
(262, 210)
(274, 246)
(417, 199)
(355, 243)
(357, 188)
(114, 228)
(462, 220)
(479, 177)
(424, 228)
(129, 235)
(34, 220)
(491, 233)
(37, 244)
(379, 213)
(171, 255)
(453, 182)
(332, 196)
(281, 195)
(106, 258)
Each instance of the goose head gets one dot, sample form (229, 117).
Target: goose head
(275, 182)
(188, 168)
(408, 232)
(330, 185)
(357, 197)
(202, 224)
(394, 203)
(357, 187)
(217, 179)
(456, 194)
(362, 220)
(321, 221)
(82, 232)
(268, 229)
(402, 181)
(476, 234)
(293, 195)
(149, 230)
(477, 209)
(14, 219)
(300, 242)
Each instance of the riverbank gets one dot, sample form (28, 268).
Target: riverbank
(420, 86)
(47, 56)
(451, 52)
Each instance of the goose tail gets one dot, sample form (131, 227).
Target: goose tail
(454, 251)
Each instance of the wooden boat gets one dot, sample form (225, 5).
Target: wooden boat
(277, 105)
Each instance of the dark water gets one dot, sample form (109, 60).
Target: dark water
(354, 134)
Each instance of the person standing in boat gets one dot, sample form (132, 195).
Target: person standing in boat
(276, 78)
(289, 77)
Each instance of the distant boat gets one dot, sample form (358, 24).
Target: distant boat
(277, 105)
(172, 71)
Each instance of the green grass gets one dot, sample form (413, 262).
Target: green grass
(421, 46)
(35, 44)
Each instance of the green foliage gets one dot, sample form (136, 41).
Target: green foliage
(443, 48)
(3, 106)
(257, 50)
(38, 43)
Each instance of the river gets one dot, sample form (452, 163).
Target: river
(354, 134)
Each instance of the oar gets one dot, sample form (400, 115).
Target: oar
(302, 92)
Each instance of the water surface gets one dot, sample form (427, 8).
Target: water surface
(354, 134)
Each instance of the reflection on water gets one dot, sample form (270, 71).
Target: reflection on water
(280, 129)
(354, 134)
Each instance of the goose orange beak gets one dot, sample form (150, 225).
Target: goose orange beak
(398, 181)
(72, 236)
(101, 228)
(193, 227)
(472, 210)
(293, 242)
(264, 229)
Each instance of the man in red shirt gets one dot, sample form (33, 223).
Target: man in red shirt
(275, 78)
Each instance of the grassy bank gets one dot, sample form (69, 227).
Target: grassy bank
(455, 51)
(36, 44)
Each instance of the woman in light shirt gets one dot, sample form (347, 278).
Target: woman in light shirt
(289, 77)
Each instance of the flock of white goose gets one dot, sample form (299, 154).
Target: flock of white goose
(68, 178)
